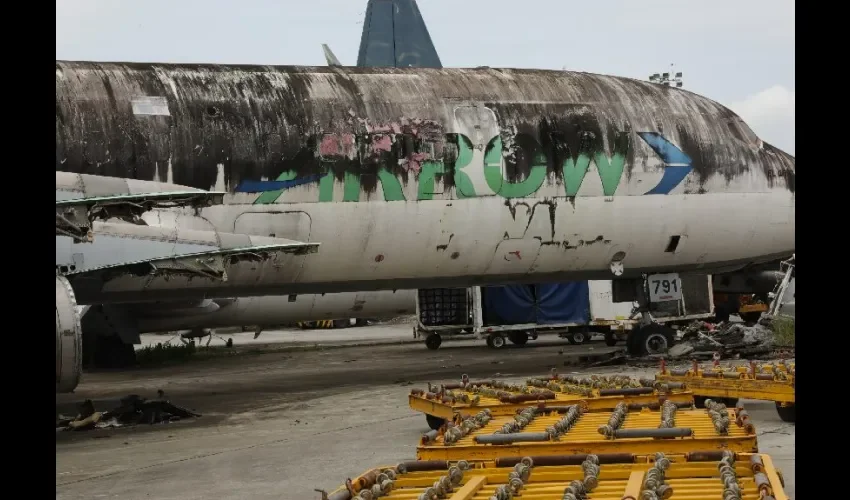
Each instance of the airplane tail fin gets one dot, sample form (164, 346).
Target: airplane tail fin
(329, 56)
(395, 35)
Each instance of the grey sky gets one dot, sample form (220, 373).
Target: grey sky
(738, 52)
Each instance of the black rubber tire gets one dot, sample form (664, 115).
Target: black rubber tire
(610, 339)
(433, 341)
(651, 331)
(518, 338)
(497, 341)
(699, 401)
(787, 413)
(434, 423)
(578, 338)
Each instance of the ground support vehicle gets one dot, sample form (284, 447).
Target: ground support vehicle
(575, 311)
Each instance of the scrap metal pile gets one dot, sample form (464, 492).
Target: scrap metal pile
(133, 410)
(702, 340)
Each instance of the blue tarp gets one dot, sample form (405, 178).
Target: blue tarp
(543, 303)
(563, 303)
(508, 305)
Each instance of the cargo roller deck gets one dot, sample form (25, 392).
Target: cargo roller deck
(706, 475)
(766, 382)
(441, 403)
(574, 430)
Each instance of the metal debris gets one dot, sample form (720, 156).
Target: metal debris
(703, 340)
(133, 410)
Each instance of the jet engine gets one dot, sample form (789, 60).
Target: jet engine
(69, 338)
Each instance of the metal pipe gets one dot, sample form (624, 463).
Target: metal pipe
(430, 436)
(520, 437)
(524, 398)
(557, 460)
(705, 456)
(627, 391)
(422, 466)
(657, 406)
(654, 433)
(678, 373)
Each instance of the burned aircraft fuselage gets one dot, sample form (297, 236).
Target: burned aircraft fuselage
(413, 177)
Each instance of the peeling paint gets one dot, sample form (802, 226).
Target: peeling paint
(395, 128)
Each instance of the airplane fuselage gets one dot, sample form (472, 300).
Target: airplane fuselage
(411, 178)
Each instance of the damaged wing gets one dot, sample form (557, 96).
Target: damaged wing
(81, 199)
(182, 264)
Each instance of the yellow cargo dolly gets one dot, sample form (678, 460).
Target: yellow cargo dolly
(441, 403)
(698, 475)
(767, 382)
(676, 428)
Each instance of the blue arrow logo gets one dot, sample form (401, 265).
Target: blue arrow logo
(677, 163)
(264, 186)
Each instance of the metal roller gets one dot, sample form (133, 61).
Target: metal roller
(520, 437)
(618, 416)
(756, 464)
(520, 421)
(590, 467)
(652, 433)
(731, 488)
(457, 432)
(668, 415)
(565, 423)
(719, 416)
(654, 484)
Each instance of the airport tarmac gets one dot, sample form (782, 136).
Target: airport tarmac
(281, 424)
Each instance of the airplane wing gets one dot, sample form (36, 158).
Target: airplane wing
(183, 272)
(74, 216)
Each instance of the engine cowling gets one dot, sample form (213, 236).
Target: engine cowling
(69, 338)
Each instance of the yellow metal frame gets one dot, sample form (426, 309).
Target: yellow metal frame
(745, 386)
(447, 410)
(585, 438)
(694, 480)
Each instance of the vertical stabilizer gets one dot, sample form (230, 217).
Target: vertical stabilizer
(395, 35)
(329, 56)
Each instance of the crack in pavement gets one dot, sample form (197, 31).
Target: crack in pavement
(221, 452)
(778, 430)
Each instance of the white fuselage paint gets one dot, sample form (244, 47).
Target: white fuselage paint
(380, 240)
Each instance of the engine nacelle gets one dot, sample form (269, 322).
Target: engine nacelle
(69, 338)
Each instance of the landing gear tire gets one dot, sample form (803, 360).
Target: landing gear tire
(433, 341)
(651, 339)
(787, 413)
(518, 338)
(610, 339)
(578, 338)
(434, 422)
(496, 341)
